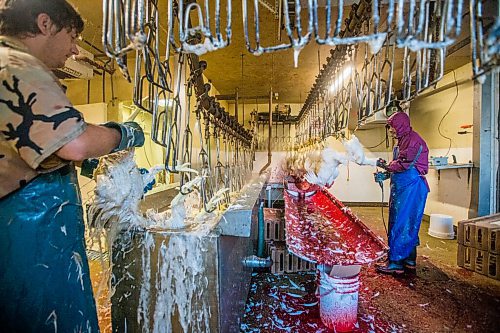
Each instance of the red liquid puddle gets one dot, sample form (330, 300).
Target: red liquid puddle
(277, 304)
(322, 230)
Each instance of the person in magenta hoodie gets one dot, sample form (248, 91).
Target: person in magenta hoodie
(409, 190)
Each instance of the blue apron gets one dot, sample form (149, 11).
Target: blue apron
(44, 274)
(406, 208)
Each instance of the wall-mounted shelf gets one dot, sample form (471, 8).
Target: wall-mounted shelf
(452, 166)
(455, 166)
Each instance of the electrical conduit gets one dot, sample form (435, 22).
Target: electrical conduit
(269, 152)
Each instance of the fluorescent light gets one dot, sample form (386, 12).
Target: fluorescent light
(339, 81)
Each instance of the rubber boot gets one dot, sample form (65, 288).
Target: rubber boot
(392, 268)
(410, 263)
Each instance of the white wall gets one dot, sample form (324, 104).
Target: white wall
(450, 189)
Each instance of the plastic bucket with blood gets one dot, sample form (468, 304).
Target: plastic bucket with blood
(338, 292)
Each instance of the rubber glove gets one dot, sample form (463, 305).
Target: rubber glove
(150, 185)
(132, 135)
(381, 163)
(88, 167)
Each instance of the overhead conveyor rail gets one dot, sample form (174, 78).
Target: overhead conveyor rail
(369, 33)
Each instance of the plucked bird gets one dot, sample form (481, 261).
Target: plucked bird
(356, 153)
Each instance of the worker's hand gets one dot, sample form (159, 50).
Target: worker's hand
(379, 177)
(381, 163)
(88, 167)
(132, 135)
(149, 186)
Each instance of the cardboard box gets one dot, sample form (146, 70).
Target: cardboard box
(482, 233)
(494, 266)
(466, 257)
(481, 262)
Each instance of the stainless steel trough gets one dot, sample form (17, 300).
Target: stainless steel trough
(190, 281)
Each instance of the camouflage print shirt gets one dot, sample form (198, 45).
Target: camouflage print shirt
(36, 117)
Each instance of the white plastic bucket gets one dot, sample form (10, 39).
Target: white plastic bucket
(338, 291)
(441, 226)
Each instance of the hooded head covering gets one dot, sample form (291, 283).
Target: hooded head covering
(400, 122)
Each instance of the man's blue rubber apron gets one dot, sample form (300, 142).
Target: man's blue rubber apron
(44, 274)
(406, 208)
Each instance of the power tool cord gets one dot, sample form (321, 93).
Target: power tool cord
(382, 208)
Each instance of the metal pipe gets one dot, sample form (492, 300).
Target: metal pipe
(104, 86)
(257, 262)
(261, 228)
(88, 91)
(236, 101)
(269, 199)
(232, 97)
(270, 132)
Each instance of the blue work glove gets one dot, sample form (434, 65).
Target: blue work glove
(132, 134)
(381, 176)
(88, 167)
(381, 163)
(150, 185)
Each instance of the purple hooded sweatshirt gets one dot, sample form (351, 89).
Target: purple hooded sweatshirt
(409, 142)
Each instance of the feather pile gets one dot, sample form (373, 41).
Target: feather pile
(118, 192)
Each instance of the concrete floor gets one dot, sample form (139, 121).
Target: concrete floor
(442, 297)
(432, 252)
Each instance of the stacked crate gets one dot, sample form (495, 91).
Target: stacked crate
(479, 245)
(274, 223)
(286, 262)
(274, 235)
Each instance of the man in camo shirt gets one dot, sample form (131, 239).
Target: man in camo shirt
(44, 274)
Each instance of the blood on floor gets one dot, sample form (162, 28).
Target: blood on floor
(289, 303)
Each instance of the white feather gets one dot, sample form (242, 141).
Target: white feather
(356, 153)
(150, 176)
(216, 198)
(322, 166)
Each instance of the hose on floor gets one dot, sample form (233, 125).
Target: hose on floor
(382, 208)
